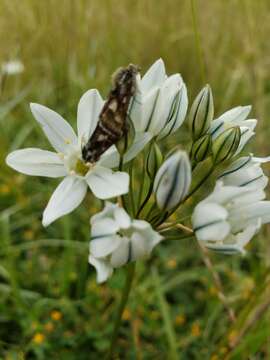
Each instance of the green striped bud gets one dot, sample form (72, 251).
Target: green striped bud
(172, 181)
(201, 113)
(154, 160)
(201, 148)
(226, 144)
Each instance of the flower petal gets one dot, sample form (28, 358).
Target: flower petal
(210, 222)
(66, 197)
(143, 242)
(103, 268)
(236, 243)
(89, 108)
(107, 212)
(121, 255)
(235, 116)
(58, 131)
(110, 158)
(140, 141)
(155, 76)
(177, 118)
(104, 227)
(142, 109)
(164, 103)
(106, 184)
(122, 218)
(36, 162)
(104, 246)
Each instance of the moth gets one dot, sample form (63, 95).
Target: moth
(112, 124)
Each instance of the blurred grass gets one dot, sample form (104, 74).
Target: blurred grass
(68, 47)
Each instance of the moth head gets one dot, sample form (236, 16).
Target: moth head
(125, 75)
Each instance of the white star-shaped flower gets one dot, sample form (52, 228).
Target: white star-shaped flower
(158, 107)
(67, 161)
(229, 217)
(118, 239)
(235, 117)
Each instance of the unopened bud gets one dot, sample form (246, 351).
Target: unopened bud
(154, 160)
(201, 148)
(122, 144)
(201, 113)
(226, 144)
(172, 181)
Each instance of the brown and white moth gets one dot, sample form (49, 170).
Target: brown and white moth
(112, 124)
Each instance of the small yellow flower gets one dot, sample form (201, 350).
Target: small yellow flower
(56, 315)
(232, 337)
(38, 338)
(126, 316)
(4, 189)
(213, 291)
(29, 234)
(154, 315)
(49, 327)
(171, 264)
(34, 325)
(180, 320)
(214, 357)
(195, 330)
(223, 350)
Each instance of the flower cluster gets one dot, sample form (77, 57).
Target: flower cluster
(128, 229)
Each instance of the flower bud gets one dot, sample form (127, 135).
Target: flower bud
(172, 181)
(121, 145)
(226, 144)
(154, 160)
(201, 113)
(201, 148)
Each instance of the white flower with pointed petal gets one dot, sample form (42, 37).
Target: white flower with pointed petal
(158, 107)
(117, 239)
(68, 162)
(246, 171)
(12, 67)
(235, 117)
(229, 217)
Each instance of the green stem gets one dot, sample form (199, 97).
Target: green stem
(142, 184)
(147, 216)
(130, 271)
(131, 187)
(165, 312)
(197, 40)
(175, 237)
(200, 183)
(11, 261)
(149, 193)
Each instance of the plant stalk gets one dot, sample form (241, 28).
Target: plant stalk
(130, 271)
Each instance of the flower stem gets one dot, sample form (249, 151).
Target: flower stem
(198, 40)
(148, 195)
(130, 271)
(201, 182)
(165, 312)
(131, 191)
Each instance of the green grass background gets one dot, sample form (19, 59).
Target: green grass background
(50, 305)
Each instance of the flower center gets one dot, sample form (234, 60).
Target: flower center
(81, 168)
(74, 163)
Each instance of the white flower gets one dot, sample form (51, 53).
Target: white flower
(228, 218)
(158, 107)
(235, 117)
(246, 171)
(173, 180)
(13, 67)
(67, 160)
(117, 239)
